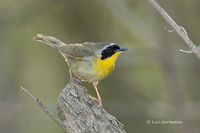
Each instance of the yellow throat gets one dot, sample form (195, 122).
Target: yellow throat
(105, 67)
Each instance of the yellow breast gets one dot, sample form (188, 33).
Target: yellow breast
(102, 68)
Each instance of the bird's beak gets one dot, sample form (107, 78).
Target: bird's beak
(121, 49)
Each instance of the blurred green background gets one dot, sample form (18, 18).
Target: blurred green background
(151, 81)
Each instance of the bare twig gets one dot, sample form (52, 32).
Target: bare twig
(168, 29)
(45, 109)
(179, 30)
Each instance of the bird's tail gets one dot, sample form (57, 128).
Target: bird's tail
(49, 40)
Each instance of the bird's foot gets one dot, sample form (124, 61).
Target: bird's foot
(98, 100)
(75, 81)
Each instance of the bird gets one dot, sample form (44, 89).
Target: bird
(88, 61)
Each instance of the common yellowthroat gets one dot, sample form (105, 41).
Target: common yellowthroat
(90, 62)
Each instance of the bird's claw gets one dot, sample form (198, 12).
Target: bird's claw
(98, 100)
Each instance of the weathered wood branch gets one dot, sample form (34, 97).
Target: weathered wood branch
(78, 113)
(84, 115)
(179, 30)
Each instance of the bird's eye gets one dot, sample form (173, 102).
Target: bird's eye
(109, 49)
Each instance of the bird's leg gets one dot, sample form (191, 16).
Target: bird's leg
(98, 95)
(71, 78)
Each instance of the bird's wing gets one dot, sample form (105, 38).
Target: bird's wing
(77, 51)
